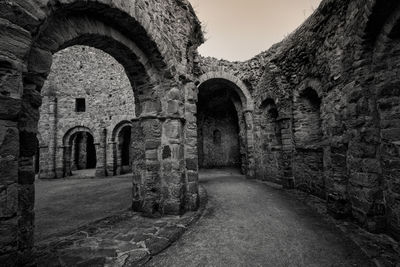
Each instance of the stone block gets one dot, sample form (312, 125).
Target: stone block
(9, 201)
(9, 234)
(152, 154)
(152, 144)
(192, 164)
(40, 61)
(26, 198)
(9, 108)
(172, 207)
(15, 40)
(192, 176)
(173, 107)
(173, 129)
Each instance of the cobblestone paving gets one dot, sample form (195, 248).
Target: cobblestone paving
(127, 239)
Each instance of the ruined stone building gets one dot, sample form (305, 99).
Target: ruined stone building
(86, 96)
(118, 86)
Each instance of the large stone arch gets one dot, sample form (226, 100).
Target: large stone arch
(68, 31)
(31, 32)
(245, 110)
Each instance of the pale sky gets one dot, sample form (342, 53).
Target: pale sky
(241, 29)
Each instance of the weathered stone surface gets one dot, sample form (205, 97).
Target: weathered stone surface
(318, 111)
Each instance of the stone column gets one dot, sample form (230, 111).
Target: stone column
(111, 154)
(9, 153)
(191, 148)
(69, 163)
(49, 170)
(138, 166)
(173, 166)
(27, 124)
(101, 154)
(248, 115)
(81, 146)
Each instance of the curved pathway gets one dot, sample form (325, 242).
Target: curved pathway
(247, 223)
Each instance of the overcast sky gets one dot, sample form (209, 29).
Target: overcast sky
(241, 29)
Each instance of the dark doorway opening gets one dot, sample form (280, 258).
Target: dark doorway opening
(84, 151)
(219, 139)
(125, 148)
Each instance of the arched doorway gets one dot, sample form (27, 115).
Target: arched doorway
(236, 110)
(122, 140)
(79, 151)
(84, 151)
(222, 125)
(218, 131)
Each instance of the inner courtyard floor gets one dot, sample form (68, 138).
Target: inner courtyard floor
(248, 224)
(66, 204)
(245, 223)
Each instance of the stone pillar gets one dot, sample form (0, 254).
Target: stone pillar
(9, 154)
(101, 154)
(287, 153)
(138, 166)
(81, 146)
(49, 169)
(248, 115)
(118, 157)
(173, 166)
(27, 124)
(69, 163)
(191, 148)
(111, 154)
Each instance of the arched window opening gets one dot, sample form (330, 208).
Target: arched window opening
(308, 167)
(271, 123)
(307, 118)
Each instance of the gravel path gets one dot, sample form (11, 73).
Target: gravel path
(247, 223)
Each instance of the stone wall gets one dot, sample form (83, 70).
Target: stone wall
(317, 111)
(345, 147)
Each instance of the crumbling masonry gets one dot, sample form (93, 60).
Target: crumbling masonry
(319, 111)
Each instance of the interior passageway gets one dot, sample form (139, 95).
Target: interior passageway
(247, 223)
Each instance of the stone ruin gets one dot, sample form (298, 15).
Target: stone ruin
(319, 111)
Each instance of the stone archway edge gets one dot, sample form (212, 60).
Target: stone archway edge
(133, 248)
(243, 91)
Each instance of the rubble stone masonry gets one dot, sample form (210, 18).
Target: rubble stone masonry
(318, 111)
